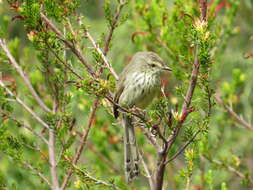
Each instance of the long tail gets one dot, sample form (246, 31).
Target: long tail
(131, 153)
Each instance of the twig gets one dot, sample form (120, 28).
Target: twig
(35, 116)
(110, 165)
(30, 129)
(113, 25)
(150, 137)
(64, 62)
(74, 49)
(23, 76)
(93, 179)
(148, 174)
(230, 168)
(52, 160)
(183, 147)
(232, 113)
(82, 144)
(38, 173)
(96, 46)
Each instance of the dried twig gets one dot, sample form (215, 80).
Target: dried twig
(23, 75)
(239, 119)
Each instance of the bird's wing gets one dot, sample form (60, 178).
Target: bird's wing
(116, 100)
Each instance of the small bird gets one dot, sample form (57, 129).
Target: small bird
(138, 84)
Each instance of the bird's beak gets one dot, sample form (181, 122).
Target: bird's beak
(166, 68)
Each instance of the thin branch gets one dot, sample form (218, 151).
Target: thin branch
(191, 88)
(96, 46)
(35, 116)
(30, 129)
(183, 147)
(239, 120)
(37, 172)
(52, 160)
(82, 144)
(113, 25)
(93, 179)
(148, 174)
(231, 169)
(69, 44)
(63, 62)
(105, 160)
(150, 137)
(23, 76)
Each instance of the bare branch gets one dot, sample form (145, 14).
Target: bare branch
(23, 75)
(69, 44)
(191, 88)
(96, 46)
(203, 9)
(148, 174)
(37, 172)
(82, 144)
(150, 137)
(35, 116)
(52, 160)
(240, 120)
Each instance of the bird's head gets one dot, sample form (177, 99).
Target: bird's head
(150, 62)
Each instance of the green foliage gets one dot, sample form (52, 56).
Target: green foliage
(175, 31)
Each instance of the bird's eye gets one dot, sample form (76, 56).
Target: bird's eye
(152, 65)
